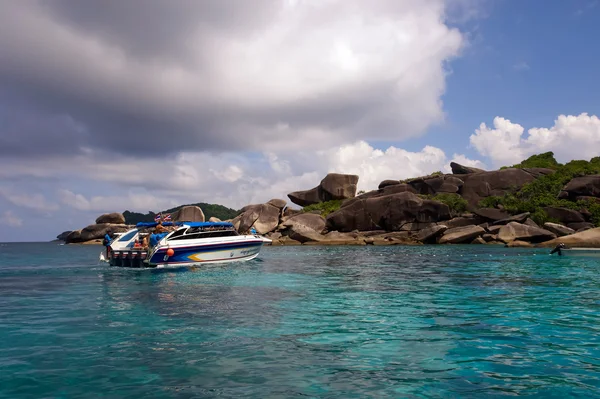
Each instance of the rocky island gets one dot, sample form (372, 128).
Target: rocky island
(537, 202)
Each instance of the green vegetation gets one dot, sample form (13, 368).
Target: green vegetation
(210, 210)
(324, 207)
(455, 202)
(542, 192)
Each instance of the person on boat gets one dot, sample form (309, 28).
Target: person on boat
(137, 243)
(160, 228)
(106, 242)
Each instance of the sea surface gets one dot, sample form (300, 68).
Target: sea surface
(301, 322)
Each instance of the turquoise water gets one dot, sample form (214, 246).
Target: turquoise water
(322, 322)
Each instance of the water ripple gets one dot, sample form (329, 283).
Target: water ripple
(331, 322)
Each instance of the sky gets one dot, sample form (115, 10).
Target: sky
(143, 105)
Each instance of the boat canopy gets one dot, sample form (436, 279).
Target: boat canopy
(154, 224)
(208, 224)
(190, 224)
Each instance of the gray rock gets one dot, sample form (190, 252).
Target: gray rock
(520, 218)
(387, 183)
(189, 213)
(459, 169)
(431, 233)
(531, 223)
(462, 221)
(214, 219)
(388, 212)
(97, 231)
(558, 229)
(564, 215)
(521, 232)
(113, 218)
(494, 229)
(334, 186)
(484, 184)
(581, 226)
(461, 234)
(588, 186)
(278, 203)
(63, 236)
(586, 239)
(491, 214)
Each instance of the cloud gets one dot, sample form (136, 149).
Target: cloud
(521, 66)
(149, 78)
(134, 201)
(26, 200)
(571, 137)
(11, 219)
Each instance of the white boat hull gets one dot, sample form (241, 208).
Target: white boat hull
(581, 252)
(190, 253)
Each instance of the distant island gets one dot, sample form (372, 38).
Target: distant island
(536, 202)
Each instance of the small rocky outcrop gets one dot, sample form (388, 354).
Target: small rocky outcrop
(214, 219)
(387, 212)
(580, 226)
(459, 235)
(587, 239)
(459, 169)
(490, 214)
(514, 231)
(114, 218)
(63, 236)
(188, 213)
(558, 229)
(387, 183)
(334, 186)
(584, 186)
(95, 232)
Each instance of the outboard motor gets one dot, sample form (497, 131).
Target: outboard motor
(558, 249)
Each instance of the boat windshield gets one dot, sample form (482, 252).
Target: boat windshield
(128, 236)
(203, 232)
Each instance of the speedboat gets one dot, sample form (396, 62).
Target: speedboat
(563, 250)
(191, 243)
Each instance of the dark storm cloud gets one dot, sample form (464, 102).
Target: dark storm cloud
(151, 77)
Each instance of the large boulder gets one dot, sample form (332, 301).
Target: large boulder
(431, 233)
(388, 212)
(430, 185)
(262, 217)
(586, 186)
(73, 237)
(459, 169)
(564, 215)
(278, 203)
(334, 186)
(114, 218)
(461, 234)
(188, 213)
(386, 183)
(579, 226)
(462, 221)
(491, 214)
(520, 218)
(310, 220)
(558, 229)
(63, 236)
(97, 231)
(484, 184)
(586, 239)
(304, 227)
(516, 231)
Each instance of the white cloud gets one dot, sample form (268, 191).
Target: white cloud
(571, 137)
(34, 201)
(133, 201)
(521, 66)
(11, 219)
(299, 74)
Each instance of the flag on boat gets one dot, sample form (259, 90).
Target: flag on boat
(157, 217)
(167, 217)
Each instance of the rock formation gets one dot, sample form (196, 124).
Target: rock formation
(334, 186)
(114, 218)
(188, 214)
